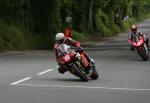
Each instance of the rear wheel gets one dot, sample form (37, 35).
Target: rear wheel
(78, 72)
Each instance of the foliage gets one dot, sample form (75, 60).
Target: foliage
(32, 24)
(13, 37)
(54, 20)
(80, 36)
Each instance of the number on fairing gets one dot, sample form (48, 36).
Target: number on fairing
(67, 57)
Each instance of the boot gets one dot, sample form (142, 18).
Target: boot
(61, 70)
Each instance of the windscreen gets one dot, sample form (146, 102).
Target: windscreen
(62, 49)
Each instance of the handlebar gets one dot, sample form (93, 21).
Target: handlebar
(77, 49)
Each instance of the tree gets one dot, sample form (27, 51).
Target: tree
(90, 21)
(54, 20)
(20, 11)
(79, 15)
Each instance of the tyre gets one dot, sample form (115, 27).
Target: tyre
(78, 72)
(146, 58)
(95, 75)
(143, 54)
(132, 47)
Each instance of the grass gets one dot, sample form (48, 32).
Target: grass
(14, 37)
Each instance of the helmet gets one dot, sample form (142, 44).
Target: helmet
(134, 28)
(59, 37)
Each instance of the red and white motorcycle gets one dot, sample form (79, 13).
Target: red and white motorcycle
(76, 63)
(140, 46)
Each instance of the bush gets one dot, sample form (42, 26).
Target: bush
(115, 29)
(128, 24)
(79, 36)
(105, 25)
(13, 37)
(1, 44)
(3, 30)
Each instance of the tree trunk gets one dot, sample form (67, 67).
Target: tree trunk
(90, 23)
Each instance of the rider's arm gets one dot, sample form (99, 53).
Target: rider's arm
(143, 35)
(54, 48)
(129, 36)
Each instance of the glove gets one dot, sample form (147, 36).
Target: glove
(79, 49)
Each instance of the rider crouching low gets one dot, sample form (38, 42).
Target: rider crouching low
(61, 39)
(134, 33)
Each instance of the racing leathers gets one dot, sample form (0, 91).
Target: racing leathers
(131, 36)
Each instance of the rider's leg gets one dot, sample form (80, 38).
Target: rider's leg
(131, 46)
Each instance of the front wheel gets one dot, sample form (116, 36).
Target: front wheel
(143, 53)
(132, 47)
(95, 75)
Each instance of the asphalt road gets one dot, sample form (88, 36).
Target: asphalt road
(32, 77)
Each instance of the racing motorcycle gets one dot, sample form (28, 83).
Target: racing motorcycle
(72, 59)
(139, 44)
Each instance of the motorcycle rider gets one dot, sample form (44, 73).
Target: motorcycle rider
(60, 38)
(135, 32)
(68, 32)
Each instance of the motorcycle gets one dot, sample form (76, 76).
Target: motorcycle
(139, 44)
(76, 63)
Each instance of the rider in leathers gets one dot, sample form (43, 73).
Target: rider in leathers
(134, 32)
(60, 38)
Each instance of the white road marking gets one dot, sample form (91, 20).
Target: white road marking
(22, 80)
(86, 87)
(27, 78)
(46, 71)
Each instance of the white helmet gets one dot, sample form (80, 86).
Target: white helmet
(60, 37)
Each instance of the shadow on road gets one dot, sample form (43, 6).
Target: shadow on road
(63, 79)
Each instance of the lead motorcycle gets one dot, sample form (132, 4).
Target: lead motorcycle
(75, 62)
(139, 44)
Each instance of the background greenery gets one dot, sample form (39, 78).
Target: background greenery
(32, 24)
